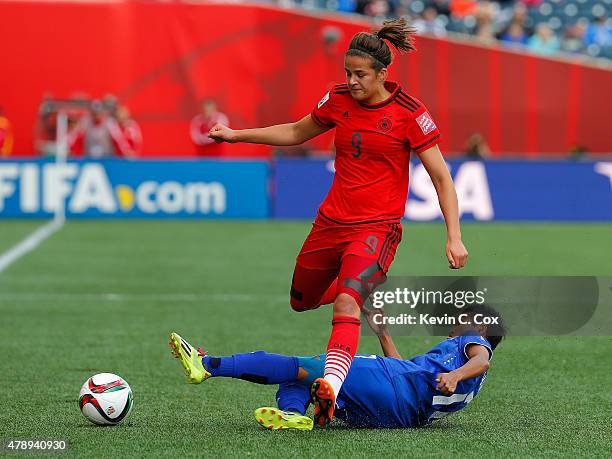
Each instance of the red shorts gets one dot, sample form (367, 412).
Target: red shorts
(358, 256)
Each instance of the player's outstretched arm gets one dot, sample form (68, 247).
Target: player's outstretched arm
(372, 316)
(279, 135)
(477, 364)
(447, 197)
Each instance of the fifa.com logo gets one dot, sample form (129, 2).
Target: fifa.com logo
(87, 187)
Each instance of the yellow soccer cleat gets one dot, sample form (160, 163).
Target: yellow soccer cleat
(191, 359)
(275, 419)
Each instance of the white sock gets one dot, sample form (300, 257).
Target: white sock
(335, 382)
(337, 365)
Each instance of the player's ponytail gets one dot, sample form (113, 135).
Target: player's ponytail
(399, 34)
(373, 45)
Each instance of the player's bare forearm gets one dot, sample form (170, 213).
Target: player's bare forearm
(447, 197)
(277, 135)
(476, 365)
(472, 368)
(388, 346)
(445, 188)
(375, 320)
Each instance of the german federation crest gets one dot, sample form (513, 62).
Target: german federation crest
(384, 124)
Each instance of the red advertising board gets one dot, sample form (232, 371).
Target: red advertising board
(265, 65)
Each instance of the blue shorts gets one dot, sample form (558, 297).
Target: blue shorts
(368, 397)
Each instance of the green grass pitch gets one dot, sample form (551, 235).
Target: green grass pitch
(102, 296)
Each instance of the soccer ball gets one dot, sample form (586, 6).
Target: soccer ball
(106, 399)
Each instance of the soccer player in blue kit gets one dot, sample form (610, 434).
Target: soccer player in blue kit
(379, 392)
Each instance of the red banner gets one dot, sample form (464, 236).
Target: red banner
(264, 65)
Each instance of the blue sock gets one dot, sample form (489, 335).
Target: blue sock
(294, 397)
(257, 367)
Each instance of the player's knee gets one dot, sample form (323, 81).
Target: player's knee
(301, 302)
(301, 306)
(298, 307)
(346, 305)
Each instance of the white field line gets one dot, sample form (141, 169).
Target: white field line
(29, 243)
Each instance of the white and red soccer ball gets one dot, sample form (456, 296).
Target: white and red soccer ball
(106, 399)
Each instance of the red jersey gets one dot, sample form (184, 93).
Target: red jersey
(373, 144)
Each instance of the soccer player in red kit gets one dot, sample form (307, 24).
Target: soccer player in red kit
(357, 229)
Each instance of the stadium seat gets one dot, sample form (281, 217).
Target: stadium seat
(570, 10)
(417, 7)
(546, 9)
(555, 23)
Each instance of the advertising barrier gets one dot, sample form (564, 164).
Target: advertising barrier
(499, 190)
(142, 189)
(487, 191)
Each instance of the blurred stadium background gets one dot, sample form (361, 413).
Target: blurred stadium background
(103, 109)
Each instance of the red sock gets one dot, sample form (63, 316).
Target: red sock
(341, 349)
(330, 294)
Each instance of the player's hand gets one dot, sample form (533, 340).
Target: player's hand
(220, 133)
(369, 313)
(457, 254)
(447, 383)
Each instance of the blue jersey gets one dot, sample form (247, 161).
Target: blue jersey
(388, 392)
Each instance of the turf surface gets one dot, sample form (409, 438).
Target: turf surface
(13, 232)
(102, 296)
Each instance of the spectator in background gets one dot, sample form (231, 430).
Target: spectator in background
(598, 33)
(441, 6)
(429, 24)
(573, 38)
(379, 9)
(347, 6)
(532, 3)
(485, 13)
(202, 123)
(484, 33)
(487, 21)
(98, 135)
(520, 14)
(402, 9)
(361, 5)
(509, 17)
(130, 131)
(544, 41)
(6, 135)
(514, 34)
(46, 128)
(477, 147)
(463, 8)
(111, 105)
